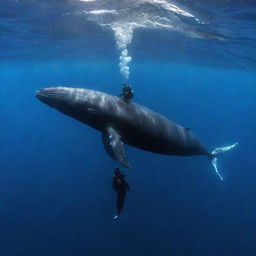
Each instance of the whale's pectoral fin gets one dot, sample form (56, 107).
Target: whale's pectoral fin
(114, 146)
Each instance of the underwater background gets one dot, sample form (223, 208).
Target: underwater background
(192, 61)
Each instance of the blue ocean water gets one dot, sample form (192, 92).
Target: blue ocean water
(192, 61)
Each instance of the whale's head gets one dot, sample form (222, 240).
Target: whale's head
(54, 96)
(58, 97)
(81, 104)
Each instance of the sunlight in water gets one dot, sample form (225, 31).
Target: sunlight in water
(123, 18)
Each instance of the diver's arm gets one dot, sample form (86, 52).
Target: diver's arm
(127, 186)
(114, 183)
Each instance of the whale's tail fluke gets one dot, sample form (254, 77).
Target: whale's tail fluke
(217, 152)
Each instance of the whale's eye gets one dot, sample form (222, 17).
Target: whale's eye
(92, 110)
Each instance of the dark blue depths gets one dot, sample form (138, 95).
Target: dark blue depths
(55, 179)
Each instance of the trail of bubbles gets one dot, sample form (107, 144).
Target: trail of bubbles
(123, 36)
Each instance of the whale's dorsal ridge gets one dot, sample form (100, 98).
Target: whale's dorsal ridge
(114, 145)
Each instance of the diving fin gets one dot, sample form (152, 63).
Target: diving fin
(114, 146)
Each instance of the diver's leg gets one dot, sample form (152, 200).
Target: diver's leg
(119, 204)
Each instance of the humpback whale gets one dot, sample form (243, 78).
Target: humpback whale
(121, 121)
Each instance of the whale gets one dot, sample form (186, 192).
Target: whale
(123, 121)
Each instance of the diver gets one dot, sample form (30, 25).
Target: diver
(127, 92)
(120, 186)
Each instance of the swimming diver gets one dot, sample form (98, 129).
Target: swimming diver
(120, 186)
(127, 92)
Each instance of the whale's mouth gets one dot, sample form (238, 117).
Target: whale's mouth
(42, 95)
(57, 97)
(49, 96)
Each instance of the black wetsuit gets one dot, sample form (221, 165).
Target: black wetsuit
(127, 92)
(120, 185)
